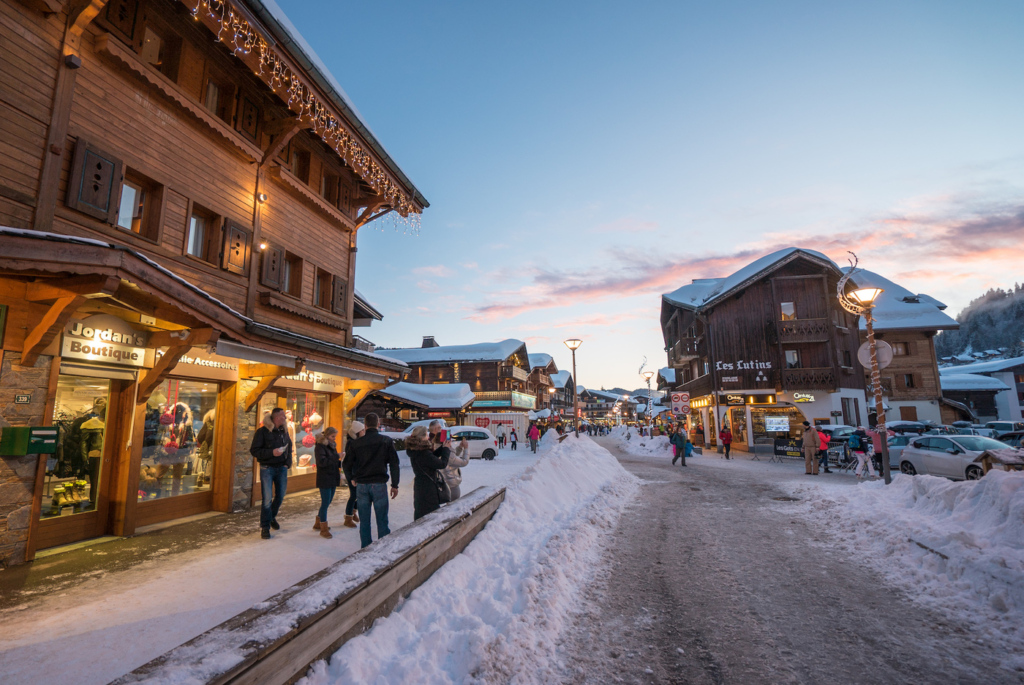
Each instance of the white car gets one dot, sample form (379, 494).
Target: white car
(482, 444)
(951, 456)
(402, 435)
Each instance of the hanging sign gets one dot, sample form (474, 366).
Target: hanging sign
(732, 399)
(105, 338)
(680, 403)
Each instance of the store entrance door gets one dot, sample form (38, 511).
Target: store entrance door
(76, 479)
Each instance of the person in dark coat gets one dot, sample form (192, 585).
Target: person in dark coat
(328, 476)
(355, 431)
(366, 465)
(427, 457)
(272, 448)
(679, 442)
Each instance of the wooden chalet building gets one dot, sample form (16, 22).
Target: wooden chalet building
(600, 406)
(181, 186)
(768, 345)
(539, 384)
(908, 322)
(1006, 405)
(563, 399)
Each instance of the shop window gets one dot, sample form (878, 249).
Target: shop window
(95, 181)
(178, 440)
(899, 349)
(300, 165)
(322, 291)
(792, 359)
(203, 234)
(139, 208)
(291, 275)
(73, 473)
(788, 311)
(306, 414)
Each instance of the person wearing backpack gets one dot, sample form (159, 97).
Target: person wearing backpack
(680, 444)
(859, 444)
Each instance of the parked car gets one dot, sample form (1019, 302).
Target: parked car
(1014, 439)
(896, 445)
(907, 427)
(985, 432)
(836, 433)
(400, 436)
(938, 429)
(482, 444)
(949, 456)
(1001, 427)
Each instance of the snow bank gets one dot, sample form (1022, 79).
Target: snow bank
(494, 612)
(641, 447)
(957, 547)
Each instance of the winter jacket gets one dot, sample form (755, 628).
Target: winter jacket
(678, 440)
(810, 439)
(513, 437)
(425, 464)
(369, 458)
(725, 437)
(204, 439)
(823, 440)
(452, 473)
(266, 441)
(328, 465)
(533, 433)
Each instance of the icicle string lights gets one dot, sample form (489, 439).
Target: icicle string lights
(233, 30)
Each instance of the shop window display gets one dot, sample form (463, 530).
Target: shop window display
(73, 472)
(177, 442)
(305, 412)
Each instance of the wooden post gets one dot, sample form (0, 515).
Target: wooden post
(224, 432)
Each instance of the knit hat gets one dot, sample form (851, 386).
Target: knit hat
(355, 428)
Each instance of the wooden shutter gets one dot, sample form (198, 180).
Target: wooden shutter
(122, 15)
(270, 274)
(338, 300)
(248, 117)
(236, 248)
(95, 184)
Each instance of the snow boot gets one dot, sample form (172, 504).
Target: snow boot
(265, 533)
(325, 531)
(349, 522)
(274, 524)
(316, 523)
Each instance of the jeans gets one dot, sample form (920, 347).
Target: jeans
(727, 445)
(326, 495)
(514, 443)
(823, 460)
(375, 494)
(273, 481)
(350, 506)
(533, 445)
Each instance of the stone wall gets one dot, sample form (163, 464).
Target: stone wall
(18, 474)
(245, 428)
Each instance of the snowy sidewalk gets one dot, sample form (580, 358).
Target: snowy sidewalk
(114, 606)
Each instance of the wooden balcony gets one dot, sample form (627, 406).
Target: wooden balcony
(515, 373)
(804, 331)
(809, 379)
(543, 379)
(682, 351)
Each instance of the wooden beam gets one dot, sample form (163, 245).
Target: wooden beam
(365, 385)
(47, 7)
(81, 15)
(283, 131)
(164, 365)
(353, 400)
(192, 338)
(49, 326)
(49, 290)
(254, 370)
(259, 391)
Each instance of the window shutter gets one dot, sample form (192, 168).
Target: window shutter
(236, 248)
(338, 301)
(95, 183)
(270, 274)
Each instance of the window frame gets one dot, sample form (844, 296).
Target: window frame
(150, 223)
(291, 286)
(214, 232)
(786, 353)
(782, 311)
(323, 285)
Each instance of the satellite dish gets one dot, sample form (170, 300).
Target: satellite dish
(883, 352)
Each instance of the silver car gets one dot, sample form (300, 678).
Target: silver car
(950, 456)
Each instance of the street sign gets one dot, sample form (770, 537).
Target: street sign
(680, 403)
(883, 351)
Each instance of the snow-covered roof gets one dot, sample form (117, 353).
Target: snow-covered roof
(970, 381)
(898, 308)
(668, 374)
(601, 393)
(539, 360)
(994, 366)
(437, 397)
(478, 352)
(369, 308)
(704, 291)
(560, 378)
(271, 15)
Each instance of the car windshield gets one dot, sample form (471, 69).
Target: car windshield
(976, 443)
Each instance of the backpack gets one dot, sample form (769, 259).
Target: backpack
(854, 441)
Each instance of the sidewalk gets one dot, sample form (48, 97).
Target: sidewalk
(96, 612)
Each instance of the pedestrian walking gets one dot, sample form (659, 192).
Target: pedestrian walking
(860, 443)
(501, 435)
(823, 439)
(428, 456)
(513, 439)
(355, 431)
(272, 449)
(811, 444)
(366, 465)
(458, 458)
(328, 476)
(533, 435)
(725, 437)
(680, 445)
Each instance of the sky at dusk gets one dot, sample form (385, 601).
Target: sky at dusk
(583, 158)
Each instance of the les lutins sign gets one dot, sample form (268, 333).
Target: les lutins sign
(104, 338)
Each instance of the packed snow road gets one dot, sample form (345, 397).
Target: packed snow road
(710, 579)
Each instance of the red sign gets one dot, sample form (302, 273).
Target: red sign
(680, 403)
(482, 422)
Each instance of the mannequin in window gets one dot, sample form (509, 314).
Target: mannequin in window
(204, 442)
(91, 428)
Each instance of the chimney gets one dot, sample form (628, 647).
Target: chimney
(428, 341)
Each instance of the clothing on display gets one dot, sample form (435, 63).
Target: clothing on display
(177, 445)
(73, 472)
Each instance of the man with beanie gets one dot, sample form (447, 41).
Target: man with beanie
(811, 445)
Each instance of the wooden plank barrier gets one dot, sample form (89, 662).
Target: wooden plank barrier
(275, 641)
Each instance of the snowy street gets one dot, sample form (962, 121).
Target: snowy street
(710, 579)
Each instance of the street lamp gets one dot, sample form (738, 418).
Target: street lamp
(860, 302)
(648, 375)
(574, 344)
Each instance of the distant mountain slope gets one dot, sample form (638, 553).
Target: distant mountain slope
(994, 320)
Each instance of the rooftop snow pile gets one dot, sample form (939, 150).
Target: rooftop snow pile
(435, 397)
(539, 359)
(994, 366)
(498, 608)
(560, 378)
(898, 308)
(957, 547)
(479, 352)
(970, 381)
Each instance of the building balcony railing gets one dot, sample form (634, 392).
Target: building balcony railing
(361, 343)
(805, 331)
(543, 379)
(809, 379)
(683, 351)
(515, 373)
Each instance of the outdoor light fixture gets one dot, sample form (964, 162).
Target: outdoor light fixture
(865, 296)
(573, 343)
(262, 197)
(263, 246)
(648, 375)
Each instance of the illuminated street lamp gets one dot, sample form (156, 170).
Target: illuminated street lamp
(860, 302)
(574, 344)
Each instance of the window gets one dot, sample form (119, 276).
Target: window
(322, 289)
(792, 359)
(291, 275)
(300, 165)
(847, 358)
(908, 380)
(788, 311)
(152, 52)
(899, 349)
(220, 98)
(203, 232)
(122, 14)
(212, 101)
(329, 188)
(139, 209)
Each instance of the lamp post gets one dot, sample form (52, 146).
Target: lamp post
(574, 344)
(648, 375)
(861, 302)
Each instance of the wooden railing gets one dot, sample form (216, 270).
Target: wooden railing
(809, 379)
(683, 350)
(805, 331)
(515, 373)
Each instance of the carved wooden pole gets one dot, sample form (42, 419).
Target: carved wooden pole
(876, 385)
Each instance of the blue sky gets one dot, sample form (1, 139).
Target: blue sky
(583, 158)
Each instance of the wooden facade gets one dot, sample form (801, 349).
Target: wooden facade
(168, 164)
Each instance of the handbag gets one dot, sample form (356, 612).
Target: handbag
(444, 493)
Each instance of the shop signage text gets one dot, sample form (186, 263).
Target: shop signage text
(742, 365)
(104, 338)
(732, 400)
(803, 397)
(730, 379)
